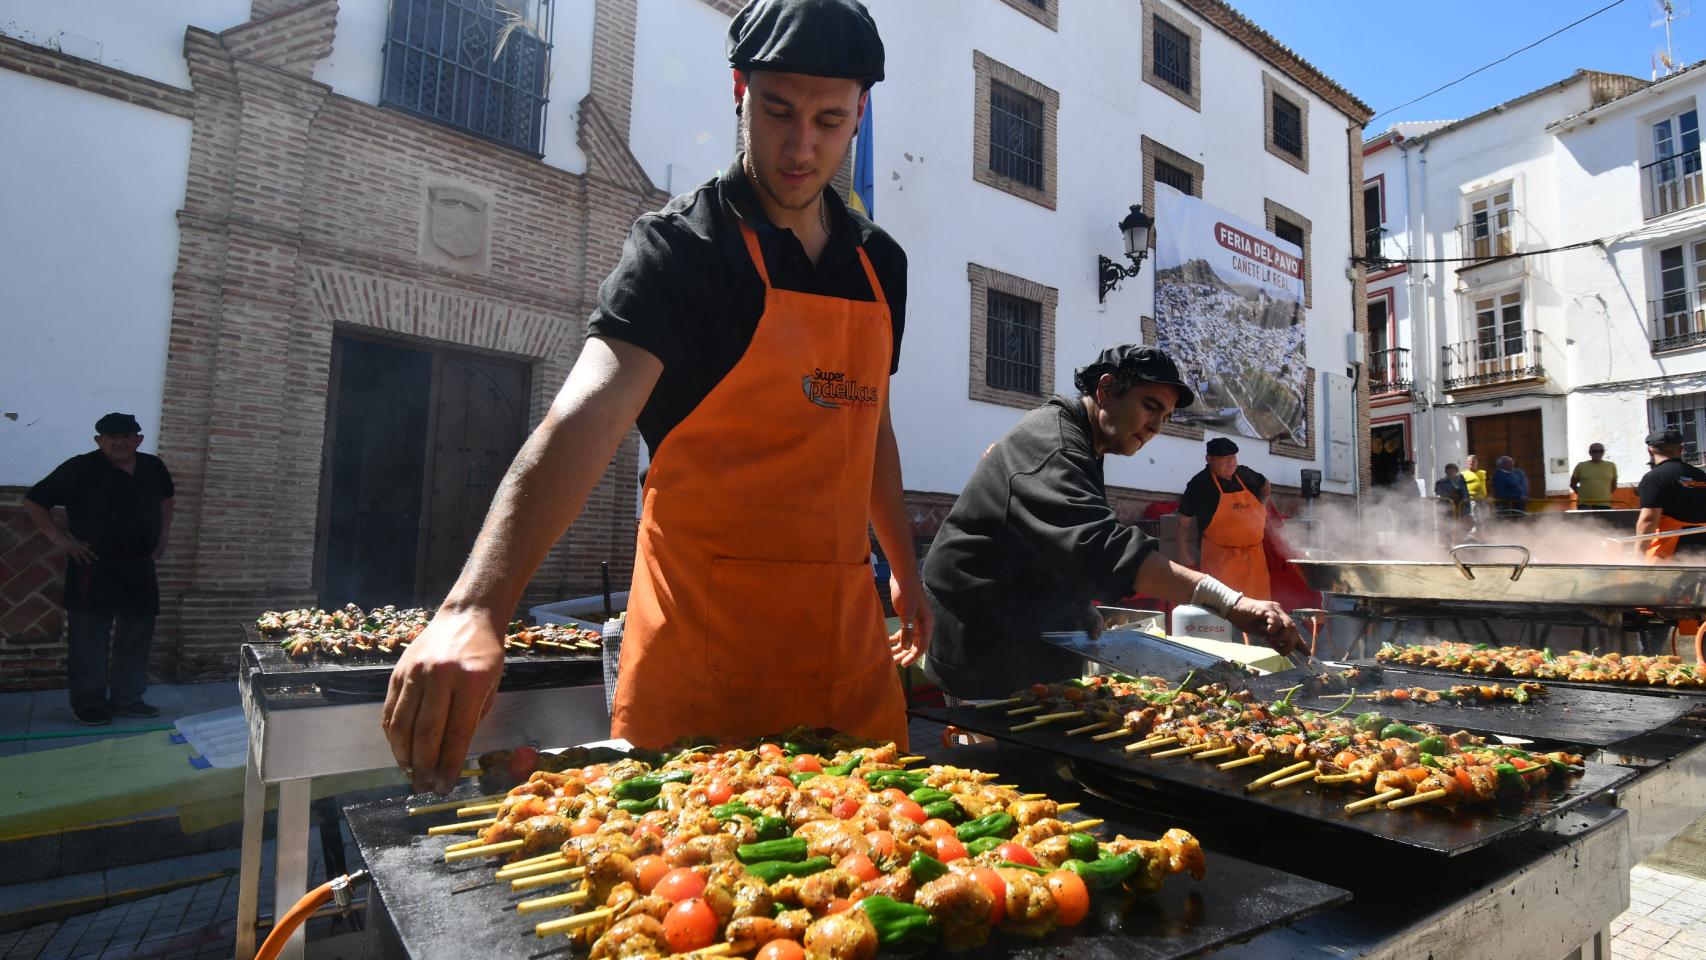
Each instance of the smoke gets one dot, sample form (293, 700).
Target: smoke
(1422, 529)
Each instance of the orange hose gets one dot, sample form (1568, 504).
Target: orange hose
(293, 918)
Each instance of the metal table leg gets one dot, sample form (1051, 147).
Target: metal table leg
(249, 863)
(290, 873)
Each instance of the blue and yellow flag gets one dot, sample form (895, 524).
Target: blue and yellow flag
(864, 176)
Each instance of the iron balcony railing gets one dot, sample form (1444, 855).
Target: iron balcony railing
(1389, 371)
(1486, 239)
(1678, 320)
(1492, 360)
(1673, 183)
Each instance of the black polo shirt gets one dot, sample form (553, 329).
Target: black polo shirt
(1678, 489)
(686, 290)
(116, 512)
(1202, 493)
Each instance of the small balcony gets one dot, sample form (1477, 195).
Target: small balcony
(1677, 320)
(1487, 239)
(1673, 184)
(1389, 372)
(1492, 361)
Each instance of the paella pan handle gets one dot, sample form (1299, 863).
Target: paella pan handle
(1468, 574)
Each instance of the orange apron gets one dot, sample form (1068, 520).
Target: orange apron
(1232, 543)
(753, 607)
(1658, 551)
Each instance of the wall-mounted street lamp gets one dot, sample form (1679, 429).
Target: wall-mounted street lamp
(1135, 229)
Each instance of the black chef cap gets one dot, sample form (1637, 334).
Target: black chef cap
(823, 38)
(117, 423)
(1131, 363)
(1664, 437)
(1221, 447)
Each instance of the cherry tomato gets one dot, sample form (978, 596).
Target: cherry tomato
(806, 763)
(781, 950)
(655, 829)
(838, 905)
(584, 826)
(592, 772)
(1071, 897)
(1017, 853)
(936, 827)
(782, 782)
(718, 791)
(678, 885)
(522, 761)
(882, 843)
(909, 810)
(770, 751)
(691, 925)
(859, 866)
(1039, 690)
(893, 795)
(949, 848)
(844, 808)
(997, 888)
(648, 870)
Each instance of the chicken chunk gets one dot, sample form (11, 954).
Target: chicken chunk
(961, 907)
(848, 935)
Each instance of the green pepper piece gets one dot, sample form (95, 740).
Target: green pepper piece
(985, 844)
(1023, 866)
(1402, 732)
(1341, 707)
(1509, 777)
(988, 825)
(1106, 873)
(787, 848)
(945, 810)
(647, 785)
(1369, 722)
(907, 780)
(1429, 760)
(771, 871)
(925, 868)
(1483, 646)
(770, 828)
(844, 769)
(898, 925)
(1546, 654)
(1433, 745)
(925, 795)
(1081, 845)
(726, 810)
(792, 748)
(801, 776)
(638, 807)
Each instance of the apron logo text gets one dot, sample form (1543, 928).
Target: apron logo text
(834, 389)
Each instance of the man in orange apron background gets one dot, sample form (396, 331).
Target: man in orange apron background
(1673, 496)
(749, 330)
(1225, 505)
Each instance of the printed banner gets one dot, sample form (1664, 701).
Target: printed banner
(1229, 309)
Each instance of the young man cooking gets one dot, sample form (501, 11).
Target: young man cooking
(1673, 496)
(1032, 541)
(750, 329)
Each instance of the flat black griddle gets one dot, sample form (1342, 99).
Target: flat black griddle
(1564, 714)
(365, 679)
(454, 912)
(1696, 695)
(1439, 830)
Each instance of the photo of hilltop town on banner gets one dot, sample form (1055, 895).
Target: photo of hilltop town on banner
(1229, 309)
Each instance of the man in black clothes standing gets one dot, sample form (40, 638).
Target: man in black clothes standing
(119, 503)
(1032, 542)
(1673, 496)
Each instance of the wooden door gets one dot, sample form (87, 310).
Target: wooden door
(479, 421)
(1515, 435)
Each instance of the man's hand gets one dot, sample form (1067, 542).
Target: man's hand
(1267, 620)
(908, 643)
(440, 691)
(1093, 623)
(75, 548)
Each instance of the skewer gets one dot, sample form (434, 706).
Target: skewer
(571, 924)
(478, 809)
(1416, 798)
(1177, 751)
(548, 879)
(530, 861)
(1084, 825)
(1021, 711)
(553, 861)
(453, 804)
(999, 703)
(1063, 807)
(1033, 796)
(1241, 762)
(486, 850)
(1021, 728)
(1268, 778)
(464, 844)
(1369, 803)
(1151, 744)
(1218, 752)
(904, 761)
(1111, 735)
(714, 950)
(1339, 778)
(1063, 715)
(462, 827)
(1303, 777)
(1075, 731)
(550, 903)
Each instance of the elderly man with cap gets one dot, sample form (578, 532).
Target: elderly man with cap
(1673, 497)
(749, 329)
(1032, 543)
(119, 506)
(1224, 507)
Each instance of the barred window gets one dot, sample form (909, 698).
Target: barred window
(1014, 343)
(477, 65)
(1686, 414)
(1172, 54)
(1289, 232)
(1288, 126)
(1015, 135)
(1180, 180)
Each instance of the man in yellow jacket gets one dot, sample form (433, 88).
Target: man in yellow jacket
(1475, 479)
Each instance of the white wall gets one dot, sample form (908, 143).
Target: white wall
(927, 199)
(144, 37)
(683, 129)
(91, 243)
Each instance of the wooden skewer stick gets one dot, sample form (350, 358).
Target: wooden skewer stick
(530, 861)
(1034, 724)
(571, 924)
(985, 776)
(1241, 762)
(550, 903)
(1063, 715)
(1005, 786)
(478, 809)
(1075, 731)
(714, 950)
(462, 827)
(1062, 808)
(1178, 751)
(1339, 778)
(1416, 798)
(548, 879)
(1084, 825)
(1303, 777)
(453, 804)
(1152, 744)
(1033, 708)
(1111, 735)
(464, 845)
(1268, 778)
(1369, 803)
(904, 761)
(999, 703)
(485, 850)
(514, 870)
(1217, 752)
(1033, 796)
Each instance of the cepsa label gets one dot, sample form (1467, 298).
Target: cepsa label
(1259, 250)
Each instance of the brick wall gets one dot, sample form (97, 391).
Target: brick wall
(32, 623)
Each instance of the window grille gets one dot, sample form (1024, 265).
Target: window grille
(1684, 413)
(1015, 135)
(1289, 232)
(1371, 217)
(477, 65)
(1288, 126)
(1014, 343)
(1172, 54)
(1180, 180)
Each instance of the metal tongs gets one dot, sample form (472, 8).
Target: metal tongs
(1684, 532)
